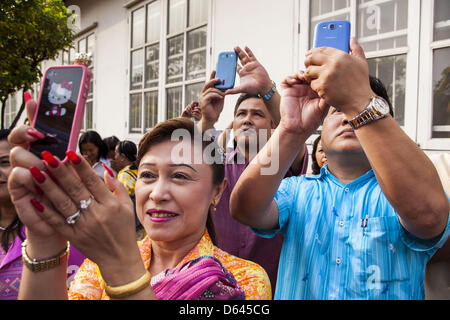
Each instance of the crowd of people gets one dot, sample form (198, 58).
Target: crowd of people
(120, 221)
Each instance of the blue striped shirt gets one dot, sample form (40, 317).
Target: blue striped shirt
(346, 242)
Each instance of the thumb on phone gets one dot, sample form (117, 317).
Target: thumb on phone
(31, 107)
(356, 49)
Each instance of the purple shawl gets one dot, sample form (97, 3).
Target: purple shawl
(203, 278)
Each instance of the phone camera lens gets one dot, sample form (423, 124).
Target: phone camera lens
(331, 26)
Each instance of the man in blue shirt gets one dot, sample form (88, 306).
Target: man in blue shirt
(365, 227)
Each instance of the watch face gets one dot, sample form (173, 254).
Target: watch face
(381, 106)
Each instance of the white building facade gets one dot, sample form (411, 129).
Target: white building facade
(152, 57)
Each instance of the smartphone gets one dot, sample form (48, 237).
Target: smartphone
(335, 34)
(226, 70)
(60, 109)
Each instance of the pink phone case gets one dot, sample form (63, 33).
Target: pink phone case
(79, 109)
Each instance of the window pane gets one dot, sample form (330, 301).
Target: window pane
(382, 26)
(175, 59)
(326, 6)
(88, 115)
(91, 85)
(198, 12)
(135, 112)
(196, 55)
(137, 69)
(441, 20)
(441, 93)
(82, 45)
(341, 4)
(138, 27)
(153, 21)
(150, 109)
(91, 46)
(72, 54)
(65, 57)
(152, 66)
(193, 91)
(177, 14)
(392, 72)
(174, 102)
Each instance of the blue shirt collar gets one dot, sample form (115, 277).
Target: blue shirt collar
(326, 174)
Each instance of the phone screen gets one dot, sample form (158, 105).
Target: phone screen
(57, 109)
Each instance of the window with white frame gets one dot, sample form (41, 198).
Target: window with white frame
(11, 107)
(381, 28)
(85, 44)
(407, 44)
(168, 51)
(440, 47)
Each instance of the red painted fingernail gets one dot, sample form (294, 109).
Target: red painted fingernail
(37, 174)
(109, 170)
(50, 159)
(36, 134)
(37, 205)
(26, 96)
(73, 157)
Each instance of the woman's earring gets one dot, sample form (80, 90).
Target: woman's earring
(214, 205)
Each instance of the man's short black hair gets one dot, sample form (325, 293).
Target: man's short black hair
(380, 90)
(242, 98)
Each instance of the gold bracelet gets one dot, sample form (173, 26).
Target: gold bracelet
(128, 289)
(38, 265)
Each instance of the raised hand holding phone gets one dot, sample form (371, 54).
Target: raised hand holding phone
(60, 109)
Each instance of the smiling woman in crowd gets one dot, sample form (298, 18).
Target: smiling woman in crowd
(174, 200)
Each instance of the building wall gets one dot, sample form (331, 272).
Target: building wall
(243, 23)
(276, 32)
(110, 63)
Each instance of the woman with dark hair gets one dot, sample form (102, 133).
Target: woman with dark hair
(95, 151)
(125, 163)
(12, 231)
(318, 157)
(111, 143)
(126, 152)
(179, 183)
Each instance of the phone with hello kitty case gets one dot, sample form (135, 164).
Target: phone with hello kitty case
(60, 109)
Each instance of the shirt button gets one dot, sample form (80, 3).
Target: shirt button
(347, 189)
(341, 223)
(338, 261)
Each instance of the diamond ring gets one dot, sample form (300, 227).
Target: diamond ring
(84, 204)
(73, 218)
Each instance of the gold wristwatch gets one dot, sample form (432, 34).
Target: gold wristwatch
(37, 265)
(378, 108)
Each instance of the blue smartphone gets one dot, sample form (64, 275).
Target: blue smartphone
(335, 34)
(226, 70)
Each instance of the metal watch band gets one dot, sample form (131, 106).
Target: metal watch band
(272, 91)
(38, 265)
(366, 116)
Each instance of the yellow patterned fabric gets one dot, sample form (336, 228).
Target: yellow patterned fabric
(250, 276)
(128, 178)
